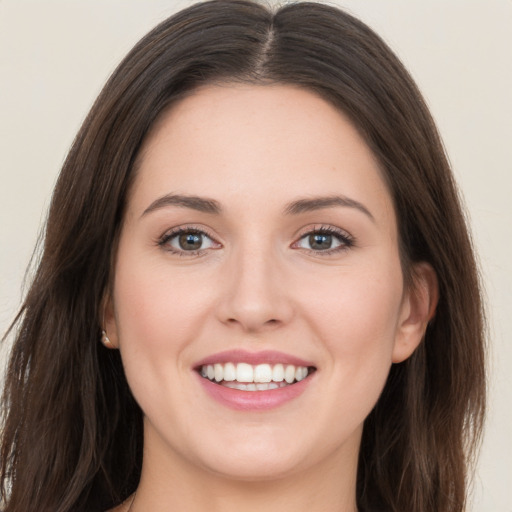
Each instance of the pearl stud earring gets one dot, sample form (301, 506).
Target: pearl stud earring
(105, 340)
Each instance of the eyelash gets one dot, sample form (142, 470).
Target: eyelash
(346, 240)
(163, 241)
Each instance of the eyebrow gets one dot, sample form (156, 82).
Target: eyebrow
(200, 204)
(296, 207)
(318, 203)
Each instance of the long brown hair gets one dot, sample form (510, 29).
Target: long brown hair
(72, 432)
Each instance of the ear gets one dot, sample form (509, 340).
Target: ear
(109, 326)
(418, 308)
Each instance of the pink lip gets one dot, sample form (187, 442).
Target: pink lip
(254, 400)
(243, 356)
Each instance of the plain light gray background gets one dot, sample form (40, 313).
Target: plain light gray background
(55, 56)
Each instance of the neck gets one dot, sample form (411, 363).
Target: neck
(221, 495)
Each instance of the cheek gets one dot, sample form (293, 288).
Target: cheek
(154, 305)
(158, 315)
(356, 318)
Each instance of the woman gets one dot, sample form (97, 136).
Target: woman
(258, 222)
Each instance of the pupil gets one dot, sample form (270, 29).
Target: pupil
(320, 242)
(190, 241)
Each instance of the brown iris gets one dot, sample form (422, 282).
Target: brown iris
(190, 241)
(320, 241)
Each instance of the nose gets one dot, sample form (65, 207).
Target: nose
(254, 296)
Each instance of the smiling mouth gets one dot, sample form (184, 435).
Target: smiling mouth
(261, 377)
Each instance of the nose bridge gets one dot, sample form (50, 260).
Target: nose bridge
(255, 296)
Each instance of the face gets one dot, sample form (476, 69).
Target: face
(258, 299)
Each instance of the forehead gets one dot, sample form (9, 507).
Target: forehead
(254, 143)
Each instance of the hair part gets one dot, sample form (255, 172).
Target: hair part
(72, 432)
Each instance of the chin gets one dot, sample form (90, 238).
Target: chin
(263, 454)
(250, 453)
(259, 468)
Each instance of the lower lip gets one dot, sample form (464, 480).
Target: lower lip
(254, 400)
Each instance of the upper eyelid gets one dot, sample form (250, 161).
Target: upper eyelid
(327, 228)
(184, 228)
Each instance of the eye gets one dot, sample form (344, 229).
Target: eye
(325, 239)
(187, 240)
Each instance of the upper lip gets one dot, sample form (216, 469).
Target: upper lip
(254, 358)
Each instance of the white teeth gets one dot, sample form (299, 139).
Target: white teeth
(263, 386)
(278, 373)
(289, 374)
(263, 373)
(300, 373)
(254, 378)
(219, 372)
(244, 372)
(229, 372)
